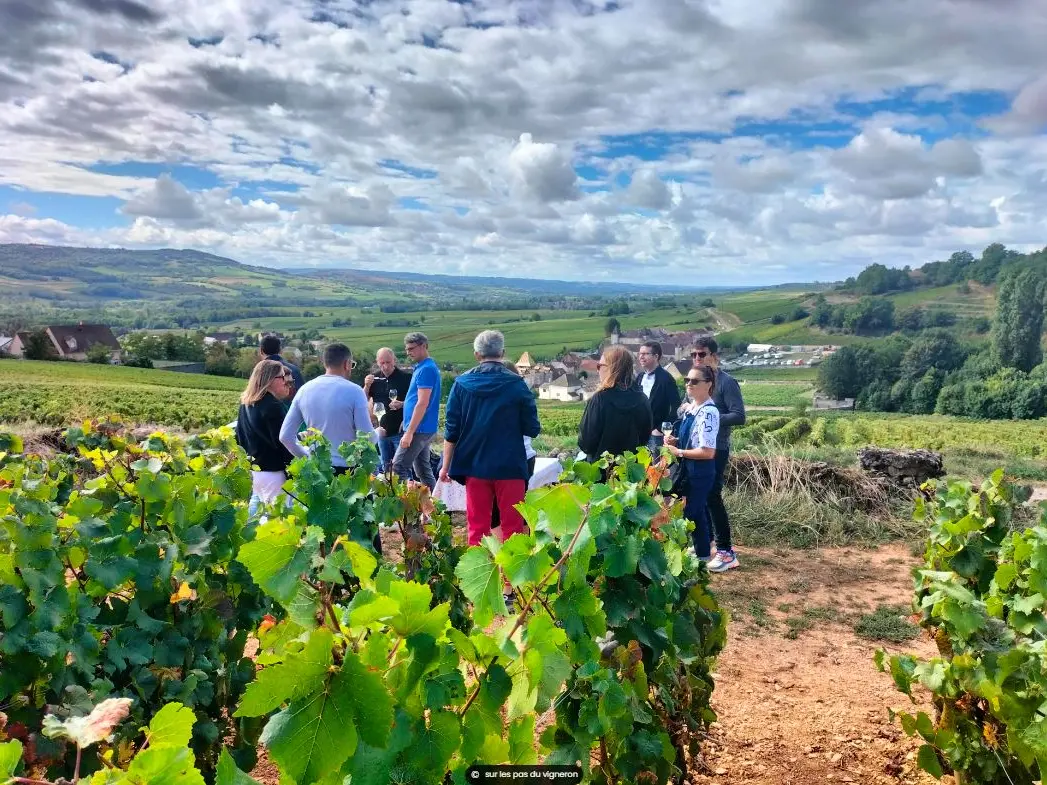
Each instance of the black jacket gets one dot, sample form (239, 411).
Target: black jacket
(665, 396)
(615, 421)
(258, 432)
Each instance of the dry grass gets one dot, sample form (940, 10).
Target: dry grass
(780, 500)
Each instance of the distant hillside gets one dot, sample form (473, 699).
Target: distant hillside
(101, 276)
(464, 283)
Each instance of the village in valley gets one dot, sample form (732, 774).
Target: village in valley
(571, 377)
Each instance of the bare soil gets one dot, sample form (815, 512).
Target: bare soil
(807, 705)
(798, 697)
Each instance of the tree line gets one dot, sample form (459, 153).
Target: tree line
(937, 373)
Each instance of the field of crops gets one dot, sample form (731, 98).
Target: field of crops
(451, 333)
(1003, 437)
(70, 373)
(763, 374)
(51, 393)
(776, 393)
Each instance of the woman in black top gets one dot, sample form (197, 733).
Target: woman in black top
(617, 418)
(262, 411)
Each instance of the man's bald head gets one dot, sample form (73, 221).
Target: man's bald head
(386, 360)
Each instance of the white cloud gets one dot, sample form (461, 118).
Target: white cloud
(541, 171)
(330, 125)
(648, 190)
(167, 199)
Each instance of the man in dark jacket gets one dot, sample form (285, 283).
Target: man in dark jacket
(661, 390)
(728, 399)
(269, 348)
(489, 411)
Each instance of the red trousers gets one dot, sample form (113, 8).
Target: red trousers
(480, 496)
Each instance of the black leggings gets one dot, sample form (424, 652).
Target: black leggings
(496, 519)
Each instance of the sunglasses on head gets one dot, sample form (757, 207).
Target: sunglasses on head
(700, 355)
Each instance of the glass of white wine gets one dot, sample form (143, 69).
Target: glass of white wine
(379, 409)
(667, 428)
(393, 394)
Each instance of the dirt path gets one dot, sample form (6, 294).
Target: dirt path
(798, 697)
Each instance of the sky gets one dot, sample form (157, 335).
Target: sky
(699, 142)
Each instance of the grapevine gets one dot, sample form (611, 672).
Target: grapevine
(139, 561)
(980, 594)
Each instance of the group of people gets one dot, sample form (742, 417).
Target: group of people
(628, 412)
(490, 418)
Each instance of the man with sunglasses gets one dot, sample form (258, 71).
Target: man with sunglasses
(332, 404)
(727, 396)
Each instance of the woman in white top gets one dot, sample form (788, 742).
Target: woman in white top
(696, 447)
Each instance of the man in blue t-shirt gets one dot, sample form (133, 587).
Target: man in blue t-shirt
(421, 413)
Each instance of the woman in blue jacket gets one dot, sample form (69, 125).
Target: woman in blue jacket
(696, 447)
(489, 411)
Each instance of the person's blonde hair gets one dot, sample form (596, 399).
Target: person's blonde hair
(619, 362)
(262, 376)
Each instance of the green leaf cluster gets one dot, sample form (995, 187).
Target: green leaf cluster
(118, 578)
(981, 594)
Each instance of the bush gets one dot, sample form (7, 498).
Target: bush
(980, 596)
(149, 586)
(98, 354)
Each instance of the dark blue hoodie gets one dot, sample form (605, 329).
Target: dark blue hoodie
(489, 411)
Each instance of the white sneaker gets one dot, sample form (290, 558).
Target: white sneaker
(724, 561)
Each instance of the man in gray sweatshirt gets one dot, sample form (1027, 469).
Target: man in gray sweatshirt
(728, 399)
(333, 405)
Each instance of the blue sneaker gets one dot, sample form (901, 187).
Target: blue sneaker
(724, 561)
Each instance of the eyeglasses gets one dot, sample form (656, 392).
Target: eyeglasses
(700, 355)
(692, 382)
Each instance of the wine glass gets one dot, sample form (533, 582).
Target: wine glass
(667, 428)
(393, 394)
(379, 409)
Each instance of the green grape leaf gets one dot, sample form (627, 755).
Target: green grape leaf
(316, 734)
(521, 742)
(164, 765)
(371, 703)
(964, 619)
(1005, 575)
(560, 508)
(369, 608)
(172, 726)
(153, 487)
(276, 559)
(436, 743)
(414, 615)
(362, 561)
(228, 774)
(523, 560)
(10, 757)
(301, 673)
(1028, 605)
(927, 759)
(481, 583)
(621, 556)
(109, 568)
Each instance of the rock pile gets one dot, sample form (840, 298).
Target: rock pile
(904, 468)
